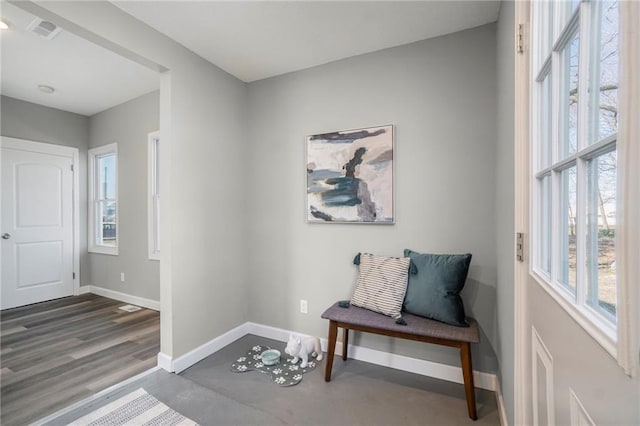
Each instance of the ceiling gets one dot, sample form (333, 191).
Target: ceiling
(87, 78)
(251, 40)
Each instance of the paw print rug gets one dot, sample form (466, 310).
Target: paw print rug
(284, 373)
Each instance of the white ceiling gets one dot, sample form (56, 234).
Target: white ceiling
(258, 39)
(87, 78)
(251, 40)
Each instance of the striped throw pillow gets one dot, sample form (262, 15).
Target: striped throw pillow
(382, 284)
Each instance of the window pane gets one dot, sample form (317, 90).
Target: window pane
(603, 90)
(574, 5)
(542, 24)
(545, 225)
(156, 163)
(545, 122)
(156, 210)
(565, 10)
(106, 176)
(601, 233)
(569, 122)
(568, 228)
(106, 220)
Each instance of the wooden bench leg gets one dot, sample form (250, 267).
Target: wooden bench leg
(467, 374)
(345, 343)
(331, 348)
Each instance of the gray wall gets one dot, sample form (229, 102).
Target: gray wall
(505, 201)
(128, 125)
(25, 120)
(441, 96)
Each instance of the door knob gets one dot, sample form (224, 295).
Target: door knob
(6, 236)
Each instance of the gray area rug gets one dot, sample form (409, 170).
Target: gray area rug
(136, 408)
(284, 373)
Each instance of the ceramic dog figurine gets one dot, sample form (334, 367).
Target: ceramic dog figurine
(300, 348)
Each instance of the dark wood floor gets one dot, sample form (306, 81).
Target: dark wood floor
(58, 352)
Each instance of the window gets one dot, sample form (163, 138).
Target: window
(575, 159)
(154, 195)
(103, 199)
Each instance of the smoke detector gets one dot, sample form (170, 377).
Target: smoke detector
(44, 28)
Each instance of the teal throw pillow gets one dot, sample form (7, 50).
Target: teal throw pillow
(434, 292)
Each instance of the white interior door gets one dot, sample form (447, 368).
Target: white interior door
(37, 225)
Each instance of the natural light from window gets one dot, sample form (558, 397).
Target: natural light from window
(103, 208)
(575, 95)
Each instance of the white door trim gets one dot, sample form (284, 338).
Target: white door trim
(63, 151)
(522, 353)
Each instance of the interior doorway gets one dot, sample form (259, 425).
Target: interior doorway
(59, 349)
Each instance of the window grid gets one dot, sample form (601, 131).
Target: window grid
(103, 205)
(566, 256)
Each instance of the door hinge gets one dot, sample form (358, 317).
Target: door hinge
(74, 275)
(72, 167)
(520, 39)
(520, 247)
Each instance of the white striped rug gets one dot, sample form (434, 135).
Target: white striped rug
(136, 408)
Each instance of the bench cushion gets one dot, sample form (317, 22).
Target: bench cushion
(417, 325)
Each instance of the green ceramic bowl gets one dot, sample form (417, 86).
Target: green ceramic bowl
(270, 357)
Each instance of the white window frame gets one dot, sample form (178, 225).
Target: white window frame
(153, 200)
(620, 340)
(93, 155)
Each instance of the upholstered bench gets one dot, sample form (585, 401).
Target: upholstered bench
(416, 328)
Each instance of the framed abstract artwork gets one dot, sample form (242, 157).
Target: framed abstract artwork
(350, 176)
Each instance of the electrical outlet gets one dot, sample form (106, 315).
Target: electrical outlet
(304, 306)
(121, 276)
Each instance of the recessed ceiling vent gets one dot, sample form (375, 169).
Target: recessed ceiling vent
(44, 28)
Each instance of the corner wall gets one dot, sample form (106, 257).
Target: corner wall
(440, 94)
(128, 125)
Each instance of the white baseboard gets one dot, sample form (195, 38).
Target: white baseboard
(275, 333)
(123, 297)
(164, 362)
(502, 411)
(436, 370)
(185, 361)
